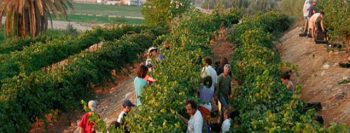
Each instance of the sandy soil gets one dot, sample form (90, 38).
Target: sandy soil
(320, 74)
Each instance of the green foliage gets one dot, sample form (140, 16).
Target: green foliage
(17, 44)
(264, 103)
(336, 19)
(27, 96)
(40, 55)
(271, 22)
(177, 83)
(293, 8)
(161, 12)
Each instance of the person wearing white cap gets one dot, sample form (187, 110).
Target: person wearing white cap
(85, 125)
(153, 53)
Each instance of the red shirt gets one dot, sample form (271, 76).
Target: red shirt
(86, 125)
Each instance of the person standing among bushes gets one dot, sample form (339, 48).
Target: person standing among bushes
(306, 15)
(195, 124)
(220, 68)
(127, 105)
(226, 124)
(140, 83)
(223, 89)
(205, 93)
(86, 126)
(153, 53)
(208, 70)
(316, 24)
(148, 78)
(285, 79)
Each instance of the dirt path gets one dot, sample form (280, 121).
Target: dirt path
(109, 98)
(319, 74)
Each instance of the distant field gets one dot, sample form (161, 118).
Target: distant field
(101, 19)
(96, 13)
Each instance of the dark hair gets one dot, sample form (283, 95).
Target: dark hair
(208, 61)
(142, 71)
(322, 12)
(286, 75)
(192, 103)
(223, 61)
(207, 81)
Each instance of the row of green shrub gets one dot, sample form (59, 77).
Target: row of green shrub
(178, 76)
(41, 55)
(263, 102)
(26, 97)
(17, 44)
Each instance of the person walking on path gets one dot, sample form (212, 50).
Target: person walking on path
(223, 89)
(220, 68)
(208, 70)
(140, 83)
(306, 15)
(127, 105)
(86, 126)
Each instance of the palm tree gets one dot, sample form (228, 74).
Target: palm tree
(30, 17)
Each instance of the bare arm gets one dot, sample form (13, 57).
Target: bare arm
(182, 118)
(322, 26)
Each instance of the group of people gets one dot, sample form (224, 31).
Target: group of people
(213, 96)
(215, 89)
(313, 19)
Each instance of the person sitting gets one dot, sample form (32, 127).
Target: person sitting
(226, 124)
(208, 70)
(285, 79)
(86, 126)
(223, 88)
(316, 24)
(195, 124)
(127, 105)
(140, 83)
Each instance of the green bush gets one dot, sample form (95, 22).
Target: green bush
(178, 75)
(264, 103)
(28, 96)
(40, 55)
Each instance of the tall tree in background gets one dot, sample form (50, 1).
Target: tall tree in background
(161, 12)
(30, 17)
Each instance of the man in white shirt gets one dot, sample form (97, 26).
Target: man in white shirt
(195, 124)
(227, 122)
(208, 70)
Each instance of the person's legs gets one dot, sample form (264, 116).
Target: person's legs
(306, 28)
(223, 101)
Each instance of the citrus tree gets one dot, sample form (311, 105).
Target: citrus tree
(30, 17)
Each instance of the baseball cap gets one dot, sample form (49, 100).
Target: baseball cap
(151, 49)
(128, 103)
